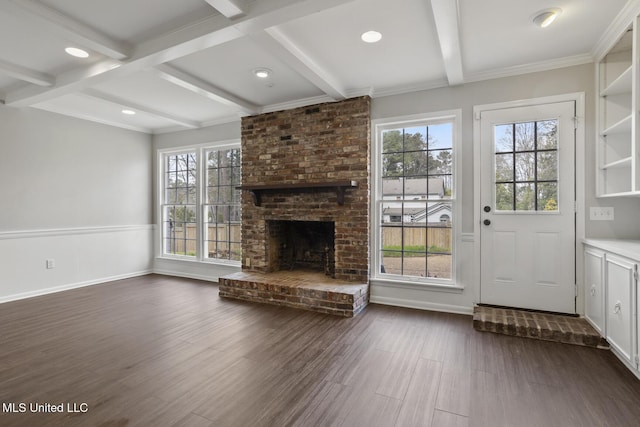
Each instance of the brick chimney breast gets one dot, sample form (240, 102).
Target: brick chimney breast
(323, 143)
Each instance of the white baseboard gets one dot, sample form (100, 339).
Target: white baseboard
(185, 275)
(421, 305)
(70, 286)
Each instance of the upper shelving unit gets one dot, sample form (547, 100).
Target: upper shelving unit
(617, 85)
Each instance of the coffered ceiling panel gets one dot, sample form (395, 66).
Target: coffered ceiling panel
(189, 64)
(231, 65)
(147, 90)
(496, 34)
(133, 20)
(95, 109)
(407, 55)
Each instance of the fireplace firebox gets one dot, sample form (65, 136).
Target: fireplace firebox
(301, 245)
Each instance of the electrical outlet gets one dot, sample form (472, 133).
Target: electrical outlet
(600, 213)
(51, 263)
(247, 262)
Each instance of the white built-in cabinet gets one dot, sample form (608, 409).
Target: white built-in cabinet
(611, 293)
(594, 288)
(618, 154)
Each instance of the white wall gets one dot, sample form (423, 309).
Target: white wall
(73, 191)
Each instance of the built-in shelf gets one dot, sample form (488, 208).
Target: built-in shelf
(339, 187)
(626, 162)
(621, 85)
(622, 126)
(617, 143)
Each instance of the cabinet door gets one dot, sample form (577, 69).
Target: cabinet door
(620, 284)
(594, 288)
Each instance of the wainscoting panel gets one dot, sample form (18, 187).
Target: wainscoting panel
(77, 257)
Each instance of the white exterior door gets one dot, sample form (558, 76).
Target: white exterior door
(527, 196)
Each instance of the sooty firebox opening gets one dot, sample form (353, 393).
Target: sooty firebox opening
(302, 245)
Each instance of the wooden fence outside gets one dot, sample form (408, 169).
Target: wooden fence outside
(392, 236)
(217, 239)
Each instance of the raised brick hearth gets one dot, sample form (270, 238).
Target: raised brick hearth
(300, 289)
(309, 164)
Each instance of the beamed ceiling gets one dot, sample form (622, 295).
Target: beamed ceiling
(189, 64)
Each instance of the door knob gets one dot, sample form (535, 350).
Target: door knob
(487, 222)
(487, 208)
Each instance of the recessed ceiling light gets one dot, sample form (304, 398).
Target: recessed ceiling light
(544, 18)
(262, 73)
(371, 37)
(128, 112)
(78, 53)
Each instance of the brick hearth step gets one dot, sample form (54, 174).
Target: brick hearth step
(536, 325)
(308, 290)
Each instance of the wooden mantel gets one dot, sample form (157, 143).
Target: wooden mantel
(339, 187)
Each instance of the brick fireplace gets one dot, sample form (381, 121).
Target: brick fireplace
(306, 169)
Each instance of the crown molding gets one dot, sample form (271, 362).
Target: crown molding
(615, 30)
(535, 67)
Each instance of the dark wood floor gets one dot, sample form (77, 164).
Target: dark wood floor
(156, 351)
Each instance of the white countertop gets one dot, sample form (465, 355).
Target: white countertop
(622, 247)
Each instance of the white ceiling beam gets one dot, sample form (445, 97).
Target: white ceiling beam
(229, 8)
(123, 103)
(445, 13)
(206, 33)
(187, 81)
(66, 27)
(281, 46)
(26, 74)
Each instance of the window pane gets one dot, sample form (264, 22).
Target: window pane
(415, 139)
(525, 167)
(441, 136)
(392, 164)
(503, 137)
(439, 266)
(392, 141)
(548, 196)
(504, 167)
(440, 162)
(547, 134)
(415, 265)
(525, 136)
(504, 197)
(525, 197)
(416, 163)
(170, 196)
(548, 166)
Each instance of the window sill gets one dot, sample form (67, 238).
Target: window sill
(429, 286)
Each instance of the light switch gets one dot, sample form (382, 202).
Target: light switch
(601, 213)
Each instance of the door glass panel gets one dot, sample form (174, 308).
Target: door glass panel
(547, 166)
(548, 196)
(504, 197)
(547, 134)
(504, 167)
(525, 197)
(525, 136)
(503, 136)
(526, 166)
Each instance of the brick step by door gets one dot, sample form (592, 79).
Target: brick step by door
(536, 325)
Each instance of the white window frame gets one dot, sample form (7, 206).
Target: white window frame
(201, 165)
(377, 127)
